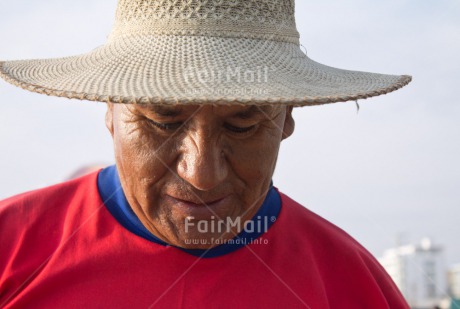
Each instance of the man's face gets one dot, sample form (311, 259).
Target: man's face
(180, 165)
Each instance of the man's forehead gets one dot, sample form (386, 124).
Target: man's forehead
(240, 111)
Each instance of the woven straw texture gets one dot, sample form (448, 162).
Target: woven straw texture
(199, 52)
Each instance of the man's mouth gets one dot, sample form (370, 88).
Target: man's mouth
(196, 202)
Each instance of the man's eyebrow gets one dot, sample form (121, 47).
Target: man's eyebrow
(251, 112)
(166, 111)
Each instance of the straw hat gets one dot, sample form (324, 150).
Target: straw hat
(199, 52)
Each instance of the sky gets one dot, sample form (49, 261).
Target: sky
(387, 174)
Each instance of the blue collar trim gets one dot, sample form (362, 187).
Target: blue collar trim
(114, 199)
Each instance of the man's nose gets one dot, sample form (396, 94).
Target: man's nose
(202, 162)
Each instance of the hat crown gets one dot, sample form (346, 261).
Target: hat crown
(259, 19)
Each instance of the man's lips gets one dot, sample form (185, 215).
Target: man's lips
(197, 202)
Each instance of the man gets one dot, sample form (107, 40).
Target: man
(200, 95)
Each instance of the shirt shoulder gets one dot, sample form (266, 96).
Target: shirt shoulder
(21, 211)
(34, 224)
(340, 260)
(311, 223)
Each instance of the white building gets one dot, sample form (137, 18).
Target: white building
(419, 272)
(454, 281)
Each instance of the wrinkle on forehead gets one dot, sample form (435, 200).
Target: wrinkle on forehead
(238, 111)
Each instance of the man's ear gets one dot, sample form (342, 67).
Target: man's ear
(109, 118)
(289, 123)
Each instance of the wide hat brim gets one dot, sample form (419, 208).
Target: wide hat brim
(169, 69)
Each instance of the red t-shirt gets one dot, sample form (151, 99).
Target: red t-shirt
(61, 248)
